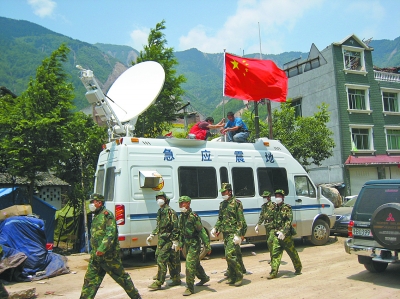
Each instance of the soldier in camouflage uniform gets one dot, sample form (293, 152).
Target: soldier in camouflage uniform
(104, 256)
(233, 226)
(281, 236)
(191, 233)
(167, 230)
(3, 291)
(266, 217)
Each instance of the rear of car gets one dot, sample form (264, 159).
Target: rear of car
(374, 227)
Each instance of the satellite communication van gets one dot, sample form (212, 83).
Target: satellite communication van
(131, 170)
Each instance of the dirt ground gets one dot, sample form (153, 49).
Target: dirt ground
(328, 272)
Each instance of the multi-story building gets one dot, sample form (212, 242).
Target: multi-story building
(364, 106)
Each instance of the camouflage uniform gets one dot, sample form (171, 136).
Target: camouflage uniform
(3, 291)
(192, 233)
(104, 238)
(266, 217)
(282, 222)
(231, 222)
(167, 231)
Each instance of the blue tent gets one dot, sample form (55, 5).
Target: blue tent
(45, 211)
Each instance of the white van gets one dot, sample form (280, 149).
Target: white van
(131, 170)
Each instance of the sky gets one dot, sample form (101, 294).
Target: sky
(212, 26)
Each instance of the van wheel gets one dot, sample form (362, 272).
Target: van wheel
(203, 251)
(320, 233)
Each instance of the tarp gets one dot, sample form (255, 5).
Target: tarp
(45, 211)
(25, 234)
(70, 226)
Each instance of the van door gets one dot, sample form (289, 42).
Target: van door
(306, 205)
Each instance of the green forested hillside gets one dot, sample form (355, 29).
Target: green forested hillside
(386, 52)
(23, 45)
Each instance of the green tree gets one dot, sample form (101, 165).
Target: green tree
(158, 118)
(38, 121)
(307, 138)
(84, 138)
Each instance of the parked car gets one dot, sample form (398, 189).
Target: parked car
(343, 215)
(375, 225)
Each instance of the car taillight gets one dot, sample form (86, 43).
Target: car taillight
(120, 214)
(350, 228)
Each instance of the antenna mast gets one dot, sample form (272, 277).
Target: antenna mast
(101, 104)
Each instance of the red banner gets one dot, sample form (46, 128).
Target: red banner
(254, 79)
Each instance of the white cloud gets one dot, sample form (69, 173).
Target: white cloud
(139, 38)
(241, 30)
(42, 8)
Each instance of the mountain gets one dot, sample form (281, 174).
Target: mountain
(23, 46)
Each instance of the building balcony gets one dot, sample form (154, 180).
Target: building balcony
(385, 76)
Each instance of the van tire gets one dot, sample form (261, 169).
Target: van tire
(385, 230)
(203, 251)
(320, 233)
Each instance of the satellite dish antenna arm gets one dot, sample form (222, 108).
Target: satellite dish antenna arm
(95, 95)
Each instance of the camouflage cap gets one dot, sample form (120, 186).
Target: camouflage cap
(184, 199)
(266, 193)
(280, 191)
(96, 196)
(161, 193)
(225, 186)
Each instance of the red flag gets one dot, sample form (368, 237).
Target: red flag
(254, 79)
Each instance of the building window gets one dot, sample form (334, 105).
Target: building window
(358, 98)
(353, 59)
(361, 138)
(296, 104)
(390, 101)
(393, 138)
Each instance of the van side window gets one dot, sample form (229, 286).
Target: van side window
(243, 182)
(198, 182)
(100, 181)
(272, 179)
(304, 187)
(109, 184)
(223, 175)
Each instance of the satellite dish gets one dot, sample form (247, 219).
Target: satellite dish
(135, 90)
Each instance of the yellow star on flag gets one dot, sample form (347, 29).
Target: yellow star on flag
(235, 64)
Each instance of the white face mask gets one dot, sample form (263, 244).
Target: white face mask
(92, 207)
(160, 202)
(265, 199)
(183, 210)
(278, 200)
(225, 197)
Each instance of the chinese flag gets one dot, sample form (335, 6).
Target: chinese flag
(254, 79)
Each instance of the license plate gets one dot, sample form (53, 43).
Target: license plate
(365, 232)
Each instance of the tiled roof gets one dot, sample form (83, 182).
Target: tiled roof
(43, 179)
(367, 160)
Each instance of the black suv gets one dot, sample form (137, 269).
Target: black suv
(374, 227)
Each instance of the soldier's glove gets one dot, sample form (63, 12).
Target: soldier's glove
(213, 232)
(237, 240)
(256, 229)
(281, 236)
(175, 246)
(149, 238)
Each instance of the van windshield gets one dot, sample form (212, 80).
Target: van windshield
(371, 198)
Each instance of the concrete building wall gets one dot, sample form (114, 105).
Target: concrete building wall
(315, 87)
